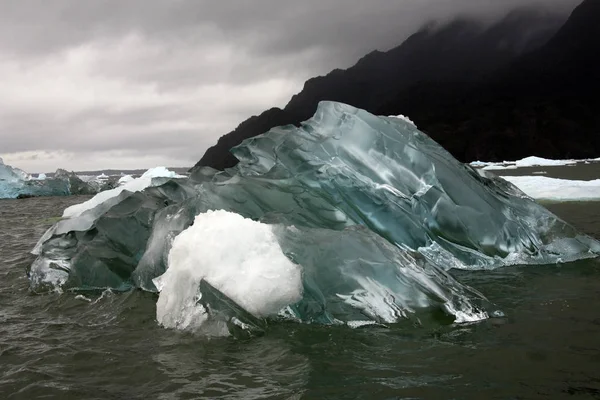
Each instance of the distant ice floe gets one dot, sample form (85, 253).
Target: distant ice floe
(553, 189)
(134, 185)
(543, 162)
(532, 161)
(499, 167)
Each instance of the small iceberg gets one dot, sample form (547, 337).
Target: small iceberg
(542, 162)
(16, 183)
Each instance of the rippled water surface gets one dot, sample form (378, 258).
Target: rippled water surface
(109, 346)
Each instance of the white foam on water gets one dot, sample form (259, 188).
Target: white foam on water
(360, 324)
(553, 189)
(238, 256)
(463, 317)
(134, 185)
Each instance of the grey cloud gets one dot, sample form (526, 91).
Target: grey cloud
(267, 25)
(205, 65)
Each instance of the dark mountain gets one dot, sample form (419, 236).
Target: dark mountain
(544, 103)
(479, 90)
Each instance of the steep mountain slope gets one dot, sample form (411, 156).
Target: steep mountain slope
(544, 103)
(434, 71)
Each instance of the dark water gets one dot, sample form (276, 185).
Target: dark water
(109, 346)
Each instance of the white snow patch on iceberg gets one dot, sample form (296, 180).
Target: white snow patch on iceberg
(134, 185)
(544, 188)
(403, 118)
(239, 257)
(125, 179)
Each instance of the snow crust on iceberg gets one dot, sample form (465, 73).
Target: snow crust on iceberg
(553, 189)
(241, 258)
(125, 179)
(134, 185)
(403, 118)
(372, 209)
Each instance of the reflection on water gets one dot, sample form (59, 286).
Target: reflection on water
(108, 345)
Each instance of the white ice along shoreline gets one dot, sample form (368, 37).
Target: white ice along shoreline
(531, 161)
(133, 185)
(553, 189)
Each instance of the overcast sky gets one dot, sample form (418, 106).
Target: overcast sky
(100, 84)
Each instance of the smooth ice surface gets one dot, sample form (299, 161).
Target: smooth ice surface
(134, 185)
(553, 189)
(241, 258)
(372, 210)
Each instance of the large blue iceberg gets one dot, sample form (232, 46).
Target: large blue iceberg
(369, 212)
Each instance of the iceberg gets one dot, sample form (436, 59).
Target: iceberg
(360, 219)
(559, 190)
(15, 183)
(542, 162)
